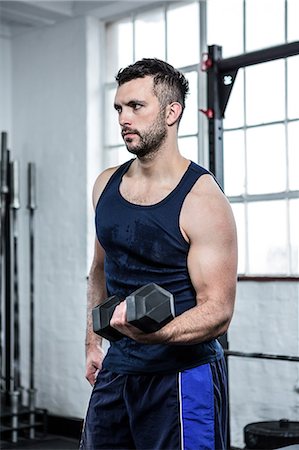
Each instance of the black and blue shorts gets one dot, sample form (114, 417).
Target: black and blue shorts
(180, 411)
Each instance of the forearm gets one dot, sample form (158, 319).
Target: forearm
(202, 323)
(208, 320)
(96, 293)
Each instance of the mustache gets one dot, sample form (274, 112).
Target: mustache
(127, 130)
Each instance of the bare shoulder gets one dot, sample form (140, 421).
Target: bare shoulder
(101, 183)
(207, 193)
(206, 209)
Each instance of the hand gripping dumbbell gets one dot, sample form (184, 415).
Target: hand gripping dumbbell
(149, 308)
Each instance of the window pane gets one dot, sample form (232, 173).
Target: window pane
(117, 155)
(183, 35)
(189, 122)
(123, 154)
(267, 237)
(189, 148)
(293, 87)
(265, 92)
(225, 25)
(293, 141)
(112, 128)
(264, 23)
(234, 162)
(293, 18)
(150, 35)
(294, 235)
(234, 114)
(266, 160)
(239, 214)
(119, 41)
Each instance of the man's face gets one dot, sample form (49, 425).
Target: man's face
(141, 118)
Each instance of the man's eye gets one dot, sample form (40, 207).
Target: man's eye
(136, 106)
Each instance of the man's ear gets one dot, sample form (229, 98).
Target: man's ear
(173, 112)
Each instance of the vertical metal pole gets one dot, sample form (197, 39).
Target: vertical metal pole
(15, 400)
(216, 121)
(31, 207)
(3, 204)
(216, 154)
(15, 205)
(8, 290)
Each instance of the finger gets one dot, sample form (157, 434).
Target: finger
(91, 374)
(90, 378)
(119, 317)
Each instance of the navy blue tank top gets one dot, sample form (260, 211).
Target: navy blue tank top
(144, 244)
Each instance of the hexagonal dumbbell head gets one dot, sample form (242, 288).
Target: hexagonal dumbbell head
(150, 307)
(101, 316)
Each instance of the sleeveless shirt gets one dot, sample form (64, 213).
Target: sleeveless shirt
(144, 244)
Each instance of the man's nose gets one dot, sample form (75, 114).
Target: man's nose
(125, 117)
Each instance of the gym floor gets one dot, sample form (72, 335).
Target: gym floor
(51, 442)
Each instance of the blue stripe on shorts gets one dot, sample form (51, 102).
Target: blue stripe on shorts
(203, 398)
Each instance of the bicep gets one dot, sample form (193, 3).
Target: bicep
(212, 258)
(212, 265)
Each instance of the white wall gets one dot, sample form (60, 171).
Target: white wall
(265, 320)
(52, 118)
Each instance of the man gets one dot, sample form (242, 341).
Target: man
(160, 218)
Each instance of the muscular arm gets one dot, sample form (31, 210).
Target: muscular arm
(207, 223)
(96, 293)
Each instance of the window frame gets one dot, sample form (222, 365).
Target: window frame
(202, 125)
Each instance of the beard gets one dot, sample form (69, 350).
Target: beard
(150, 140)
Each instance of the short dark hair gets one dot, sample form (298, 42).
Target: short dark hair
(170, 85)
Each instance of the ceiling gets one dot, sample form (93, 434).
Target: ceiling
(19, 16)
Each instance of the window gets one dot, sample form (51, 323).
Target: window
(261, 154)
(261, 127)
(154, 34)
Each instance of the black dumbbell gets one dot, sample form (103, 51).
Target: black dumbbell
(101, 316)
(149, 308)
